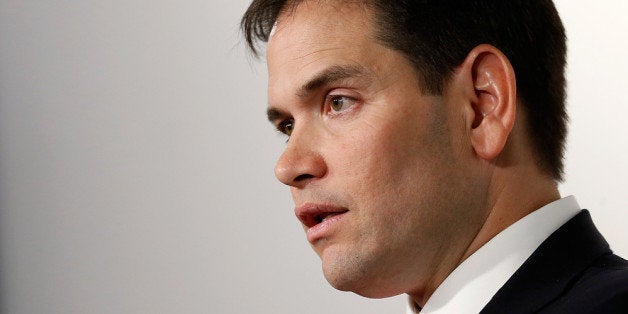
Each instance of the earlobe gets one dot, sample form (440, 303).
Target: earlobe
(494, 103)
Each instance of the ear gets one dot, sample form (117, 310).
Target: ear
(492, 99)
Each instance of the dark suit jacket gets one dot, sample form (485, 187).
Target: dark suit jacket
(573, 271)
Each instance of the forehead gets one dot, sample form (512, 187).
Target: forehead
(313, 26)
(318, 34)
(324, 15)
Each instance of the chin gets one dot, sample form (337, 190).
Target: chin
(356, 278)
(362, 287)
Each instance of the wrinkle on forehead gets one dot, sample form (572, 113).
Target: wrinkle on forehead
(306, 40)
(315, 52)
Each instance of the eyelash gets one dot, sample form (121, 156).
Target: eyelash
(284, 125)
(329, 103)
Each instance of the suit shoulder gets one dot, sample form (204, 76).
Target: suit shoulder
(601, 288)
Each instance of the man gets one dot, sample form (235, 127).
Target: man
(425, 143)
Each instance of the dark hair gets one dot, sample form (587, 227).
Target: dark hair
(437, 35)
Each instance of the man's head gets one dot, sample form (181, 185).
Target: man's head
(402, 127)
(436, 36)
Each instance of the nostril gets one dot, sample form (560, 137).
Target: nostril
(302, 177)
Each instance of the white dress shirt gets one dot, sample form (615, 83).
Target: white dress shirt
(476, 280)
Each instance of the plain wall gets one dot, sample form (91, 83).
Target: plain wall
(136, 162)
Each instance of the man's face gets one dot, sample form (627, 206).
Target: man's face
(376, 168)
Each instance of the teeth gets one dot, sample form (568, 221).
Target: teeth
(328, 216)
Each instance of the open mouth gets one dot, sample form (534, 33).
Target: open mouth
(320, 219)
(323, 217)
(313, 214)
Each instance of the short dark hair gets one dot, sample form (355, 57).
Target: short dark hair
(437, 35)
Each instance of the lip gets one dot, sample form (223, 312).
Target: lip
(319, 218)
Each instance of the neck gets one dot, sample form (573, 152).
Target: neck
(513, 194)
(516, 188)
(513, 200)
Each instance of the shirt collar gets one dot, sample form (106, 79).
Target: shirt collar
(474, 282)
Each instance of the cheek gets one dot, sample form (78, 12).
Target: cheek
(362, 160)
(390, 156)
(375, 166)
(398, 167)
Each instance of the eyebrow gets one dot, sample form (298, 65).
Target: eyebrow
(274, 114)
(325, 77)
(330, 75)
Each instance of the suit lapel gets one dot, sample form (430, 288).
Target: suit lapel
(553, 267)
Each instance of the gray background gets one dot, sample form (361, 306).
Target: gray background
(136, 162)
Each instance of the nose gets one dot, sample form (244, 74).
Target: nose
(300, 163)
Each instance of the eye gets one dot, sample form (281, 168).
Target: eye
(340, 103)
(286, 127)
